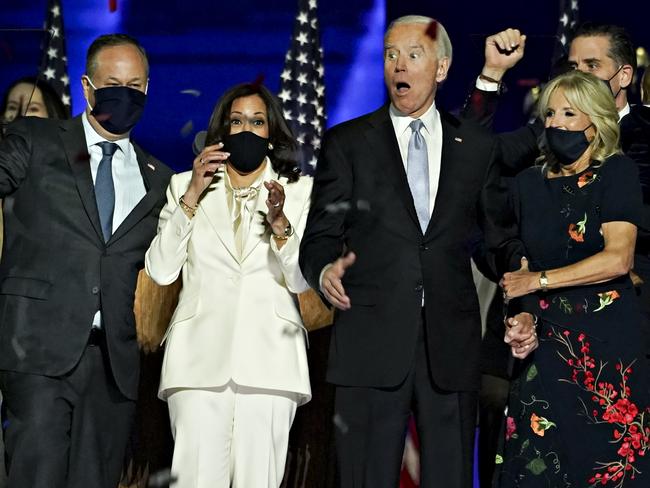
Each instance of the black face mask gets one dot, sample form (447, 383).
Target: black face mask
(609, 87)
(118, 108)
(247, 150)
(567, 145)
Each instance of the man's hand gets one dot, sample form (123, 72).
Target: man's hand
(521, 335)
(520, 282)
(502, 51)
(331, 285)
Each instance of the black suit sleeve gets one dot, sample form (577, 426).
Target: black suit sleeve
(498, 223)
(323, 241)
(518, 149)
(15, 152)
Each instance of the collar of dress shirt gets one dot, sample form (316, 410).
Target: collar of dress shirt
(92, 137)
(401, 122)
(624, 111)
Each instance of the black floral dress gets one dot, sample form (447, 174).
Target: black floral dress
(578, 411)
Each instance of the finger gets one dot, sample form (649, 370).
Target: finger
(524, 263)
(501, 41)
(215, 156)
(334, 301)
(213, 147)
(335, 289)
(513, 37)
(522, 43)
(348, 260)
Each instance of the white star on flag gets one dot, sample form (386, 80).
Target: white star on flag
(302, 38)
(49, 73)
(302, 89)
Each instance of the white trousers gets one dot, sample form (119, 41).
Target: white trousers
(232, 436)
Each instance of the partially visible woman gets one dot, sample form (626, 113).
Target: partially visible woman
(578, 412)
(30, 96)
(235, 366)
(26, 96)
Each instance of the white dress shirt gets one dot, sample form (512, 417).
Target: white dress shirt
(127, 179)
(432, 134)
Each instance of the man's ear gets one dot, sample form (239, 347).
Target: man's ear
(443, 69)
(85, 84)
(625, 76)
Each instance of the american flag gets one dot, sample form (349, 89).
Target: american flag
(302, 89)
(54, 64)
(566, 28)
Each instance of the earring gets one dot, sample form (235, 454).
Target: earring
(270, 147)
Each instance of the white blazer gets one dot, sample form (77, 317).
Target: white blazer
(236, 319)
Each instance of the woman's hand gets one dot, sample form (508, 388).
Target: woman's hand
(520, 282)
(275, 203)
(205, 166)
(521, 335)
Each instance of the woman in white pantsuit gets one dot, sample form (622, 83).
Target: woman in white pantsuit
(235, 366)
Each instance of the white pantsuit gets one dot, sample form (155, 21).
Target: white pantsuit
(236, 334)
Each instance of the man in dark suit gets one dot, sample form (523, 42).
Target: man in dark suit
(81, 207)
(606, 51)
(397, 195)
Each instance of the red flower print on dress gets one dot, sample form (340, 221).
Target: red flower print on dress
(612, 404)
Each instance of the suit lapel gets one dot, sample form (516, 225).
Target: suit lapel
(383, 143)
(214, 208)
(76, 151)
(451, 145)
(153, 183)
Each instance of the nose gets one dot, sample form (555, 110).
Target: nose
(400, 63)
(552, 121)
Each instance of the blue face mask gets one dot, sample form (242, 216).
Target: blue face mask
(567, 145)
(118, 108)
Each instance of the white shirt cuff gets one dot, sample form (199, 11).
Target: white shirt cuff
(488, 86)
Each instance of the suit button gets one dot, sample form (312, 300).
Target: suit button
(95, 290)
(424, 247)
(418, 288)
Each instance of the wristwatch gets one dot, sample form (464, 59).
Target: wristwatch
(543, 281)
(288, 232)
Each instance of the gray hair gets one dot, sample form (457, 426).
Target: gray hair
(443, 43)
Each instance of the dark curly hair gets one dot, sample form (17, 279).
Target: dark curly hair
(283, 156)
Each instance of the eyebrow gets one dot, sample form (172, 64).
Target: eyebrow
(113, 78)
(242, 113)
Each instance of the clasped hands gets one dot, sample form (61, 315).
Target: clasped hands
(520, 329)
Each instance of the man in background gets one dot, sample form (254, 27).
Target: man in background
(81, 207)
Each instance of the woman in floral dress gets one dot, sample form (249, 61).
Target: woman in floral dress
(578, 414)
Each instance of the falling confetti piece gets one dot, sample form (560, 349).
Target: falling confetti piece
(191, 91)
(432, 30)
(187, 128)
(259, 80)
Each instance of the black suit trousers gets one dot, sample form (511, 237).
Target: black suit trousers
(69, 431)
(371, 423)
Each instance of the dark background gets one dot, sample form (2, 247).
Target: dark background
(208, 45)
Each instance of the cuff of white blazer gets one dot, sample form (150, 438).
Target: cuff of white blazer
(181, 223)
(285, 253)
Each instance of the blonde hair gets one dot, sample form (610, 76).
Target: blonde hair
(589, 95)
(443, 43)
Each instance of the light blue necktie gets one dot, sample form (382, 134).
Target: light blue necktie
(417, 172)
(104, 189)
